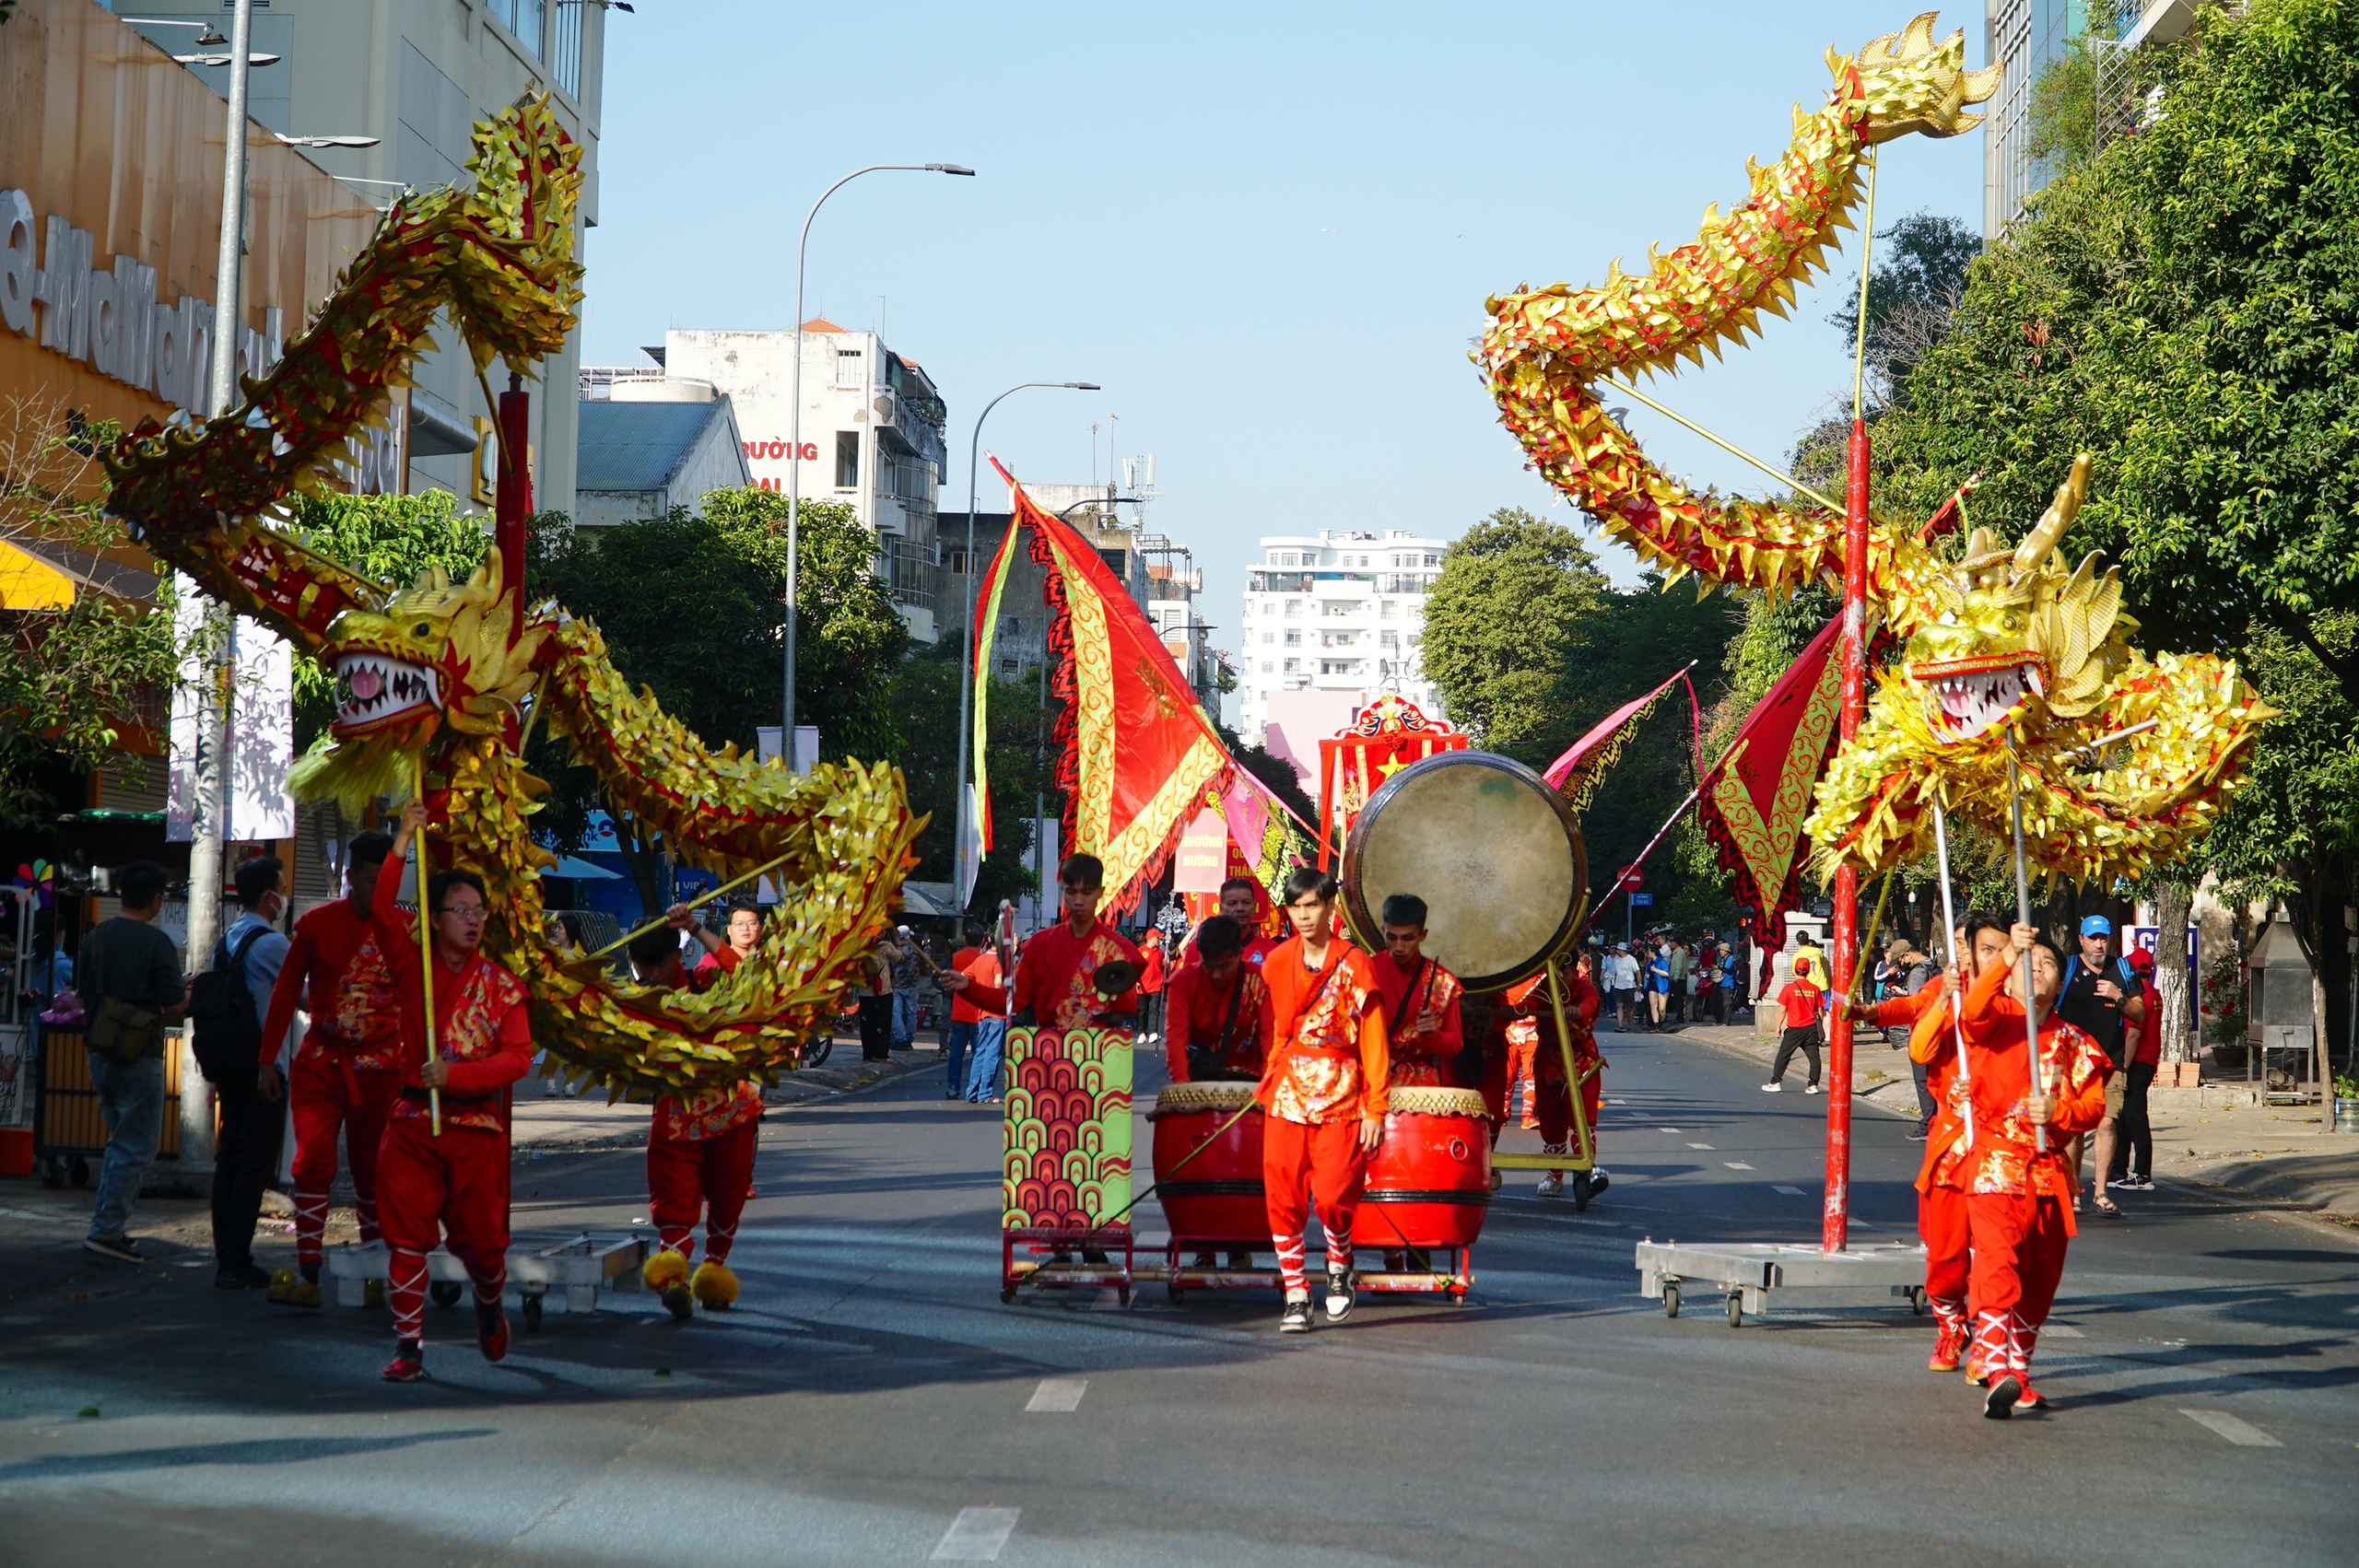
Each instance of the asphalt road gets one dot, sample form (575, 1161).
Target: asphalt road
(871, 1401)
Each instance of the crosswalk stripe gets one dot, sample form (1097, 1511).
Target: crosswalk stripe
(977, 1535)
(1736, 1164)
(1058, 1394)
(2243, 1433)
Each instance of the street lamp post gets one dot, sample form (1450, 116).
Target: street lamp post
(794, 430)
(967, 598)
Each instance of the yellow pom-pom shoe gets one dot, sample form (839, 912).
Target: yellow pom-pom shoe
(715, 1286)
(666, 1274)
(289, 1289)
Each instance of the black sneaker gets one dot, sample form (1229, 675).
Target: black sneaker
(241, 1277)
(1340, 1294)
(1296, 1319)
(1998, 1401)
(122, 1249)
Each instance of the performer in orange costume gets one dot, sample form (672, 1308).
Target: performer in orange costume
(2019, 1198)
(1420, 998)
(1213, 1025)
(1941, 1223)
(454, 1184)
(701, 1148)
(1056, 975)
(1534, 1025)
(348, 1067)
(1240, 901)
(1325, 1087)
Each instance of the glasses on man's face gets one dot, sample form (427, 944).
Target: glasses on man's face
(469, 912)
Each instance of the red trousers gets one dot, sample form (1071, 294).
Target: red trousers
(326, 1094)
(1555, 1111)
(1942, 1223)
(1520, 1076)
(709, 1176)
(1304, 1167)
(2018, 1244)
(429, 1188)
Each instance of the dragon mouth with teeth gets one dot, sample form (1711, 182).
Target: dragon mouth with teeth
(1971, 697)
(374, 689)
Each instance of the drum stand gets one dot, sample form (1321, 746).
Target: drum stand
(1062, 1269)
(1581, 1158)
(1181, 1274)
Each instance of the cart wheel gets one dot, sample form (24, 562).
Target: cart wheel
(53, 1172)
(1006, 1294)
(816, 1053)
(81, 1169)
(1580, 1191)
(532, 1314)
(1917, 1301)
(1176, 1294)
(445, 1293)
(1458, 1298)
(1736, 1309)
(1670, 1299)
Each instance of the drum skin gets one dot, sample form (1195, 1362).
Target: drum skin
(1218, 1194)
(1491, 848)
(1429, 1182)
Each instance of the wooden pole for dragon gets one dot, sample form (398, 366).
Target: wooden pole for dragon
(425, 948)
(1958, 963)
(2023, 917)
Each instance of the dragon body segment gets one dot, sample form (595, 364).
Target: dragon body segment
(445, 674)
(2007, 653)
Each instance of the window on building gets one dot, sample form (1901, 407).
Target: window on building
(1433, 560)
(1292, 665)
(848, 367)
(847, 460)
(1294, 606)
(1294, 639)
(1265, 666)
(1390, 607)
(1390, 639)
(565, 50)
(1010, 626)
(1268, 638)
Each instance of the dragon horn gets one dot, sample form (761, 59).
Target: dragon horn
(2059, 515)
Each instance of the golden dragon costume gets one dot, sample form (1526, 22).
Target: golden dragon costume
(449, 672)
(2004, 647)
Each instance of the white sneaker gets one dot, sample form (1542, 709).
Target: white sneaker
(1773, 1088)
(1551, 1185)
(1810, 1088)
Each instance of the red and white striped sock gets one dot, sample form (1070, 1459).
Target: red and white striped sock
(676, 1238)
(1949, 1312)
(1554, 1149)
(1290, 1270)
(365, 1210)
(405, 1278)
(719, 1239)
(1993, 1342)
(310, 1227)
(2023, 1336)
(1339, 1254)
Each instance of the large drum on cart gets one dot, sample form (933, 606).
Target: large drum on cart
(1218, 1193)
(1429, 1182)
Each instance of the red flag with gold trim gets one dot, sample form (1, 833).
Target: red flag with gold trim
(1753, 806)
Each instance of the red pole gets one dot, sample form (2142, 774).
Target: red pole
(1834, 1231)
(512, 493)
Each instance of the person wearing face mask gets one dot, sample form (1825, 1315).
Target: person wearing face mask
(252, 1093)
(453, 1183)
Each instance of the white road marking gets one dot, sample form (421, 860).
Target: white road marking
(1788, 1191)
(1736, 1164)
(1699, 1145)
(1058, 1394)
(977, 1535)
(1672, 1129)
(2243, 1433)
(2060, 1331)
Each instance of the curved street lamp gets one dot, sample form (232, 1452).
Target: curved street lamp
(959, 878)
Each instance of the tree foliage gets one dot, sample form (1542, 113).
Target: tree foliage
(1517, 598)
(924, 700)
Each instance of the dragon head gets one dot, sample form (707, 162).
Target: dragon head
(1905, 83)
(2018, 639)
(436, 654)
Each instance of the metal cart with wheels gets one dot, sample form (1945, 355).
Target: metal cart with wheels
(572, 1270)
(1748, 1275)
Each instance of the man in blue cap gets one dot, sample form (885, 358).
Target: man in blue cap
(2099, 990)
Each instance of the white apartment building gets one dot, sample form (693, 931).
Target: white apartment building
(1336, 613)
(872, 434)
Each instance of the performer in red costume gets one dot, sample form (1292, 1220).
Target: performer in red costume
(452, 1186)
(1534, 1020)
(1420, 998)
(1056, 975)
(699, 1147)
(1240, 901)
(1214, 1022)
(2018, 1196)
(1931, 1016)
(348, 1067)
(1325, 1088)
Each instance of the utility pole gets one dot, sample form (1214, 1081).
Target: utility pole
(209, 768)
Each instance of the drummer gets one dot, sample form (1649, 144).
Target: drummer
(1213, 1026)
(1056, 971)
(1240, 900)
(1534, 1017)
(1420, 998)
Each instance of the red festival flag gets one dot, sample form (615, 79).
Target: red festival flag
(1577, 773)
(1752, 805)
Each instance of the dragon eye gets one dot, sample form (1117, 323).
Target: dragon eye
(421, 630)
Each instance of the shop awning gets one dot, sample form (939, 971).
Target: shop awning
(26, 582)
(35, 575)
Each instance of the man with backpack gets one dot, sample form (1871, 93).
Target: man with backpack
(248, 1073)
(2100, 993)
(131, 990)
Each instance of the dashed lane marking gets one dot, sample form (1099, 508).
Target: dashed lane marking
(1058, 1394)
(1788, 1191)
(2062, 1331)
(2243, 1433)
(977, 1535)
(1670, 1129)
(1736, 1164)
(1699, 1145)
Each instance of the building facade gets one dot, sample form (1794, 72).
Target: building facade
(871, 435)
(642, 455)
(417, 78)
(1338, 614)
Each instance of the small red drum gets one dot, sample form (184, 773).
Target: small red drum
(1218, 1193)
(1429, 1181)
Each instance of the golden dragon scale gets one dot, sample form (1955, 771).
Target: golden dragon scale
(2003, 648)
(444, 672)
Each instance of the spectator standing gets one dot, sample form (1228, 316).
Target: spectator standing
(1657, 982)
(909, 967)
(1680, 961)
(131, 990)
(876, 1004)
(2101, 995)
(1907, 972)
(2125, 1139)
(1151, 977)
(251, 1091)
(1623, 979)
(958, 1040)
(1800, 1003)
(981, 1087)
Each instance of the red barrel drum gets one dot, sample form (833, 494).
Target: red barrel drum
(1218, 1193)
(1429, 1181)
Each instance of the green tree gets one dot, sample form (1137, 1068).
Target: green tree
(924, 700)
(1504, 623)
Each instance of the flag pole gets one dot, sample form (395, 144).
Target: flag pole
(425, 946)
(2023, 917)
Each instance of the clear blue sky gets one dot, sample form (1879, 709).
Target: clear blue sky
(1267, 230)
